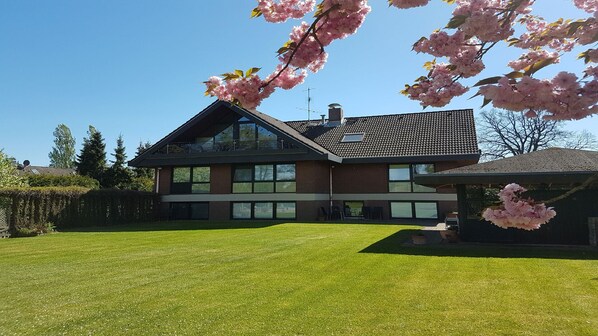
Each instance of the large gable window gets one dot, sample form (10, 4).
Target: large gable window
(231, 134)
(190, 180)
(264, 178)
(400, 177)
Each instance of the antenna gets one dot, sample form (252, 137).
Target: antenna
(309, 110)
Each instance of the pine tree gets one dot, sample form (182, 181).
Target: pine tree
(92, 160)
(143, 172)
(63, 152)
(118, 175)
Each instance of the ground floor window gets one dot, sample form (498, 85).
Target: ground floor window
(353, 208)
(190, 210)
(264, 210)
(419, 210)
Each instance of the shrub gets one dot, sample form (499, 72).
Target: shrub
(45, 180)
(34, 229)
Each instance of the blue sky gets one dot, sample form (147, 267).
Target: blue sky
(136, 67)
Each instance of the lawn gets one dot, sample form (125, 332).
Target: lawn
(195, 278)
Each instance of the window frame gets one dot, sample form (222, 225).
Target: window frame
(187, 187)
(189, 210)
(345, 140)
(411, 180)
(413, 210)
(252, 210)
(275, 179)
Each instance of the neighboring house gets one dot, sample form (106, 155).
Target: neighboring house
(231, 163)
(547, 174)
(40, 170)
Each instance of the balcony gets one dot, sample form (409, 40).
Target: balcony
(229, 146)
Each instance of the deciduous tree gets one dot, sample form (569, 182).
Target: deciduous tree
(503, 133)
(63, 152)
(9, 176)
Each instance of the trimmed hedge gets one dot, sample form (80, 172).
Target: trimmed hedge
(77, 207)
(46, 180)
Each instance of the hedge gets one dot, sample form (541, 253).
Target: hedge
(47, 180)
(69, 207)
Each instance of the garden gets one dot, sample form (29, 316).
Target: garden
(268, 278)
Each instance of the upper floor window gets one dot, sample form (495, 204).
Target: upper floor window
(400, 177)
(190, 180)
(264, 178)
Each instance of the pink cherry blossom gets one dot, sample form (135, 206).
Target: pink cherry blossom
(516, 212)
(285, 9)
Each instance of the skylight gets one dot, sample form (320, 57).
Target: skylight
(353, 137)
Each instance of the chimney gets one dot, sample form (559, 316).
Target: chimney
(323, 118)
(335, 115)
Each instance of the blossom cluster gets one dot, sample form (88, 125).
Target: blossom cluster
(564, 96)
(516, 212)
(437, 89)
(283, 10)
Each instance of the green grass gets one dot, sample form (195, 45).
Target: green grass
(288, 279)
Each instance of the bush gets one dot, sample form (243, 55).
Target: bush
(45, 180)
(34, 230)
(76, 206)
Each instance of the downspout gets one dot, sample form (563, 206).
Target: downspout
(330, 189)
(157, 180)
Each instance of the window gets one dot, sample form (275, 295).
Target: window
(264, 178)
(353, 137)
(190, 180)
(401, 210)
(419, 210)
(353, 209)
(185, 210)
(264, 210)
(400, 177)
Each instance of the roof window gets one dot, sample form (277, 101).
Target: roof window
(353, 137)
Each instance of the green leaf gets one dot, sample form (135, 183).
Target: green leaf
(256, 12)
(450, 2)
(486, 101)
(251, 71)
(430, 65)
(512, 41)
(489, 80)
(514, 74)
(531, 69)
(229, 75)
(457, 21)
(239, 73)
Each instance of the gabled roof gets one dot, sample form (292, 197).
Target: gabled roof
(272, 124)
(543, 166)
(40, 170)
(411, 135)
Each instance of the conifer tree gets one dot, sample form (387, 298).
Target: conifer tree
(92, 160)
(143, 172)
(118, 175)
(63, 152)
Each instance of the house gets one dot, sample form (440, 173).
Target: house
(232, 163)
(547, 174)
(26, 168)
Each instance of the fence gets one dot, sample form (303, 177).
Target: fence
(76, 207)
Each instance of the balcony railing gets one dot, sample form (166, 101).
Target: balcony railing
(192, 148)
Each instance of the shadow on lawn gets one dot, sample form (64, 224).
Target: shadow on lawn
(176, 225)
(400, 243)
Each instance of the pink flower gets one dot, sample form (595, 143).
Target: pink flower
(516, 212)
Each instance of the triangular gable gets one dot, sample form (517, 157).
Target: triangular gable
(273, 125)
